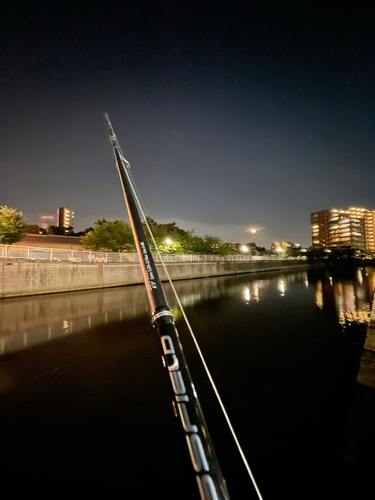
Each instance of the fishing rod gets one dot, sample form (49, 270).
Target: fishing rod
(211, 482)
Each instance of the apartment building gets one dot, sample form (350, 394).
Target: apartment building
(353, 227)
(65, 217)
(47, 220)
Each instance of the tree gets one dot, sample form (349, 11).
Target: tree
(84, 232)
(191, 242)
(60, 231)
(12, 225)
(292, 252)
(110, 236)
(33, 229)
(169, 238)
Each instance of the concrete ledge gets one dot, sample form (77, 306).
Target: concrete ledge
(30, 277)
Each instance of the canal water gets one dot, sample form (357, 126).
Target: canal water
(86, 408)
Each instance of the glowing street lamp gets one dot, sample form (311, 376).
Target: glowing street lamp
(244, 248)
(169, 241)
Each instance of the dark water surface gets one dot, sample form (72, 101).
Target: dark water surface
(85, 403)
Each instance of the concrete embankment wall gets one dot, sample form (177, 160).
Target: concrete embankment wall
(26, 277)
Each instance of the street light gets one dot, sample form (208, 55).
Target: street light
(244, 248)
(169, 241)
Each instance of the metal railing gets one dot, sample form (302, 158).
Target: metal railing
(59, 254)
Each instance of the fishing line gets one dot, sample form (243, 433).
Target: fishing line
(247, 466)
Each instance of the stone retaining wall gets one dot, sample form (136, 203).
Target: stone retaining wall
(26, 277)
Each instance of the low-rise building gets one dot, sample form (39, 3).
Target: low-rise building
(279, 246)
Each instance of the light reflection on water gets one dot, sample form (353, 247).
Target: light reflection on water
(32, 320)
(352, 298)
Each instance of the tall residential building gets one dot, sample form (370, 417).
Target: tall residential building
(354, 227)
(47, 220)
(65, 217)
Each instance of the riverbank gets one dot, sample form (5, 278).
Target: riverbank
(25, 277)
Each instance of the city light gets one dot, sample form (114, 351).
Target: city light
(246, 294)
(281, 288)
(244, 248)
(169, 241)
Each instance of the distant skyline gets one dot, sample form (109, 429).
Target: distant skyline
(231, 116)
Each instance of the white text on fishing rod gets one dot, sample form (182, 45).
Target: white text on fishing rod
(150, 274)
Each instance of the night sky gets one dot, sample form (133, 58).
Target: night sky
(231, 114)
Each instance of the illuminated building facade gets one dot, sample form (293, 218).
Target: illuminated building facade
(279, 246)
(47, 220)
(65, 217)
(354, 227)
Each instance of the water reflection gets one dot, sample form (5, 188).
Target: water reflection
(319, 295)
(251, 292)
(256, 293)
(350, 290)
(32, 320)
(282, 287)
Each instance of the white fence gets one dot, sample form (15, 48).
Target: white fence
(57, 254)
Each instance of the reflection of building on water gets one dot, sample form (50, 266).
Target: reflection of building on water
(351, 298)
(251, 292)
(32, 320)
(319, 295)
(361, 316)
(281, 287)
(360, 276)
